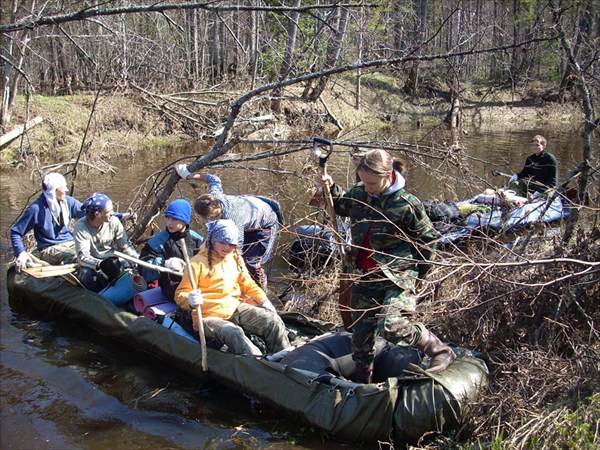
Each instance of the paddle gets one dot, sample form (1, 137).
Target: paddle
(50, 271)
(67, 276)
(188, 265)
(345, 290)
(497, 173)
(146, 264)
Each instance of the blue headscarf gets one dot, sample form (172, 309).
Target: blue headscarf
(96, 202)
(223, 230)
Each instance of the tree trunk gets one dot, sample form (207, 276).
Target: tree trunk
(253, 66)
(420, 34)
(361, 30)
(10, 80)
(213, 50)
(568, 79)
(333, 52)
(590, 124)
(286, 64)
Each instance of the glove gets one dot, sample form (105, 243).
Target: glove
(111, 267)
(195, 299)
(515, 177)
(176, 264)
(23, 261)
(182, 170)
(266, 303)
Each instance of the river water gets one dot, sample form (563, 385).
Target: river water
(63, 386)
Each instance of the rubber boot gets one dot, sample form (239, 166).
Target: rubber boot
(441, 355)
(363, 374)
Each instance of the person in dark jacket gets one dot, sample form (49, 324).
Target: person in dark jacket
(540, 172)
(164, 249)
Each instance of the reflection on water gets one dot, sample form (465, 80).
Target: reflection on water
(65, 387)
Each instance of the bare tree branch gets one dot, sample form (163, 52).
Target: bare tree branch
(33, 22)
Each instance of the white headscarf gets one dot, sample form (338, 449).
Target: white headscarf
(51, 182)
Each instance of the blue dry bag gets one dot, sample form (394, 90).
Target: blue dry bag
(124, 288)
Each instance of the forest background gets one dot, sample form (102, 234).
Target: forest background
(142, 74)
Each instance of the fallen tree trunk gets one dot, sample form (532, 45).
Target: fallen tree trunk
(7, 138)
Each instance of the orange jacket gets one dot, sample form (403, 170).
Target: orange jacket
(223, 287)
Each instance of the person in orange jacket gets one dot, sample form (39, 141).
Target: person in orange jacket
(223, 286)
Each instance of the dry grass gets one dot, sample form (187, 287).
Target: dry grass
(535, 323)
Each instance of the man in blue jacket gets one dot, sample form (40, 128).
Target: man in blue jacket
(49, 216)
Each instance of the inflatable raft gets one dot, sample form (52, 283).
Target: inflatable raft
(498, 214)
(401, 408)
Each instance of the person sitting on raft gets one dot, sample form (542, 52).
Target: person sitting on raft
(164, 249)
(49, 216)
(97, 235)
(540, 172)
(257, 219)
(222, 280)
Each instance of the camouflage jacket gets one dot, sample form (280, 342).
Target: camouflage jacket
(401, 233)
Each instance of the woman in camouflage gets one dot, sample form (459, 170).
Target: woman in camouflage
(392, 238)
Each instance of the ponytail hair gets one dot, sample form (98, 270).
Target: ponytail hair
(399, 166)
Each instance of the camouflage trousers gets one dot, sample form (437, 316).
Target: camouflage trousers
(63, 253)
(251, 319)
(382, 308)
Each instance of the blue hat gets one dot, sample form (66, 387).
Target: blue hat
(180, 209)
(223, 230)
(96, 202)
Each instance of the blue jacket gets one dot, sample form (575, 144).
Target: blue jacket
(163, 246)
(47, 232)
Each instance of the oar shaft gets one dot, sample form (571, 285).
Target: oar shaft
(201, 335)
(57, 268)
(146, 264)
(333, 217)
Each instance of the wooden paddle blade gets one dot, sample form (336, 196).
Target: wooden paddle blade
(50, 271)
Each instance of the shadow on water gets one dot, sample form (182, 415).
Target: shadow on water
(64, 386)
